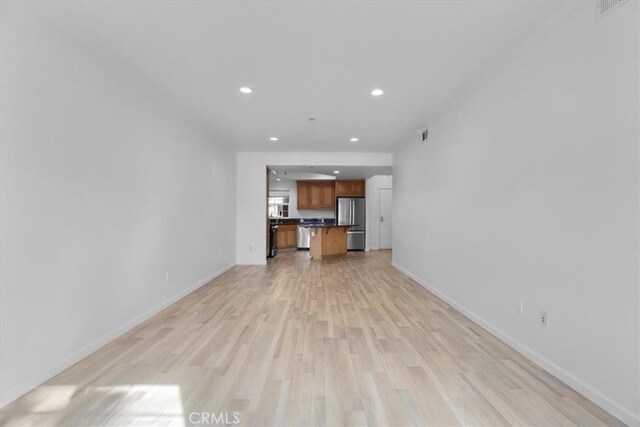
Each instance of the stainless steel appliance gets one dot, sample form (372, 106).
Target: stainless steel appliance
(351, 210)
(303, 237)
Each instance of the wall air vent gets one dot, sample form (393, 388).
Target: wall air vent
(605, 7)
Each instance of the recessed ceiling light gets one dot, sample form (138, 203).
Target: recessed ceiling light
(336, 172)
(278, 179)
(377, 92)
(354, 140)
(273, 138)
(245, 89)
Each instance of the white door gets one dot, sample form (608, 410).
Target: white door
(385, 210)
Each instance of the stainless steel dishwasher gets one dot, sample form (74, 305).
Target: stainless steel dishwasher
(303, 237)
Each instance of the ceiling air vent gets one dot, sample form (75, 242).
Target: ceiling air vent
(605, 7)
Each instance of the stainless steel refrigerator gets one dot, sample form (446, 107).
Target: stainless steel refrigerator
(351, 210)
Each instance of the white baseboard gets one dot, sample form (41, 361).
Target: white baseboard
(249, 261)
(80, 354)
(608, 404)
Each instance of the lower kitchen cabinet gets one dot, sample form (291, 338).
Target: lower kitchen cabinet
(286, 236)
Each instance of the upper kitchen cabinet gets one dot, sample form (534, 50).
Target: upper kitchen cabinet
(329, 195)
(350, 188)
(316, 195)
(304, 196)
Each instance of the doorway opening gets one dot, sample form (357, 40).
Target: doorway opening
(300, 196)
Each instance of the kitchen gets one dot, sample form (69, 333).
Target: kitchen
(319, 209)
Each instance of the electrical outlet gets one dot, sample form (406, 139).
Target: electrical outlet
(166, 276)
(544, 318)
(520, 307)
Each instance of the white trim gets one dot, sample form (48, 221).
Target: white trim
(248, 263)
(590, 392)
(16, 392)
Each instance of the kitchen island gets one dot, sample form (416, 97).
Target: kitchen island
(328, 240)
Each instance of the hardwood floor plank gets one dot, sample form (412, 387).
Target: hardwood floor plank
(343, 341)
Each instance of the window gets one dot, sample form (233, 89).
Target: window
(279, 203)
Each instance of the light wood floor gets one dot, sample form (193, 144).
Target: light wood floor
(348, 341)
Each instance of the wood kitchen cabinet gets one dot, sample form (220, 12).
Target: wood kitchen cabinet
(304, 197)
(316, 195)
(286, 236)
(350, 188)
(329, 196)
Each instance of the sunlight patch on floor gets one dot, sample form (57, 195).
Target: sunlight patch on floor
(51, 398)
(145, 404)
(121, 405)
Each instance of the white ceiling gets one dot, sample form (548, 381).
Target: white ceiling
(327, 172)
(306, 59)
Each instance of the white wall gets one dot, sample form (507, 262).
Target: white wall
(290, 185)
(374, 184)
(103, 191)
(529, 190)
(251, 199)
